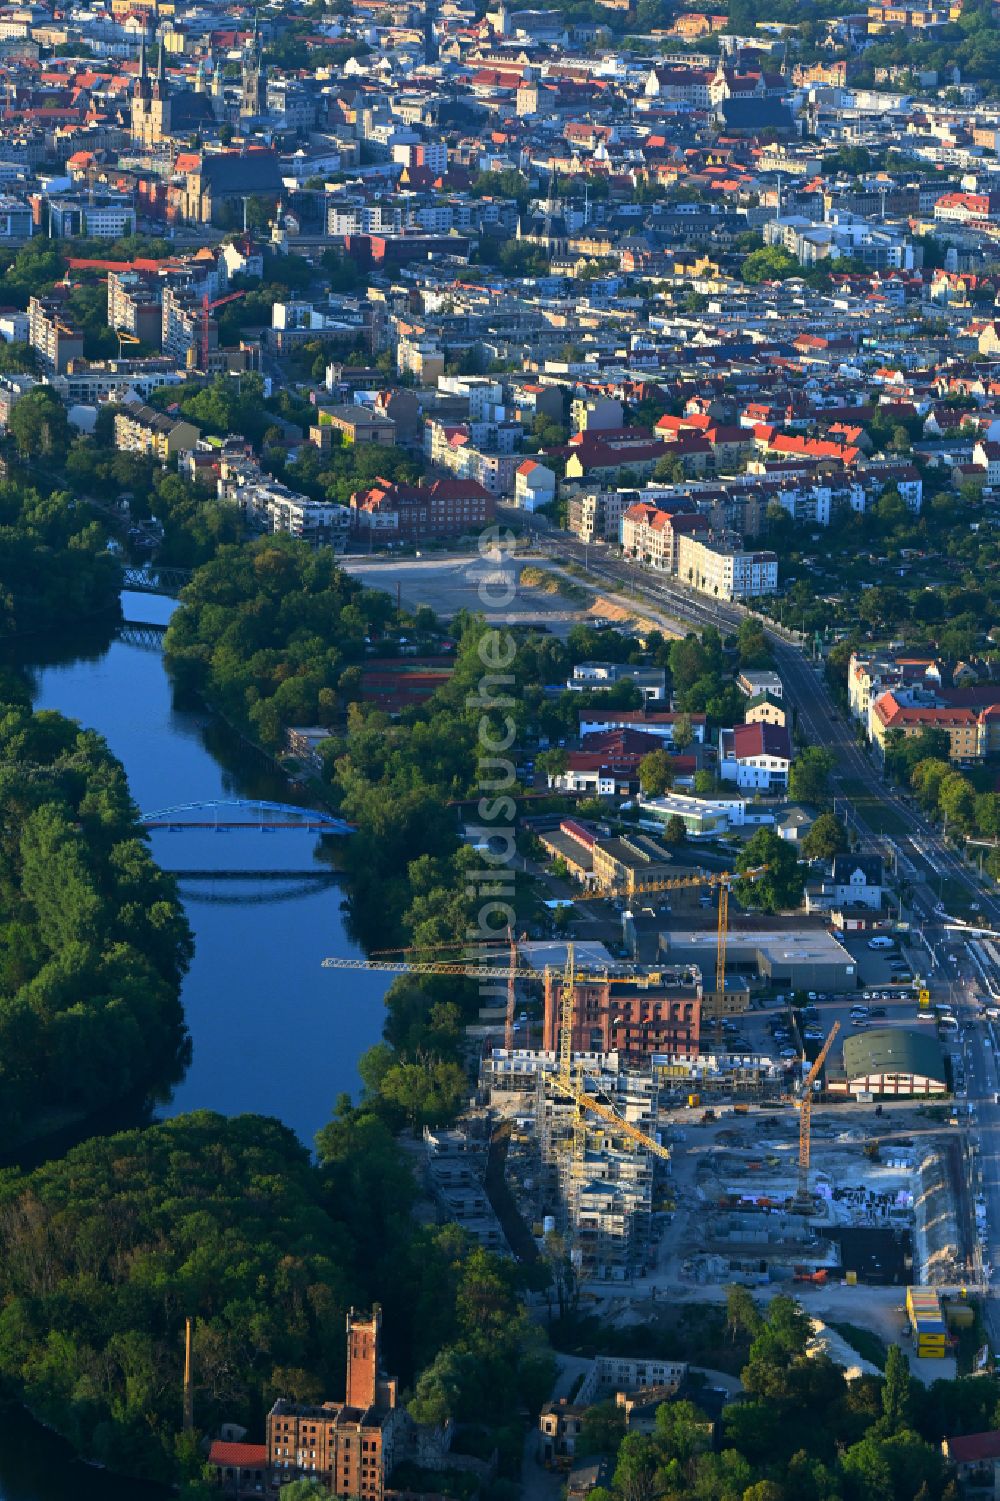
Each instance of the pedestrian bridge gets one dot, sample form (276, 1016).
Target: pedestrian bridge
(225, 814)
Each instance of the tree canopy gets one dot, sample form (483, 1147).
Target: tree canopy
(93, 942)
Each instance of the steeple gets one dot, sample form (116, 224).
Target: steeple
(199, 77)
(161, 76)
(142, 82)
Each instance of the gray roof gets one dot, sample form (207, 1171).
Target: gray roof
(894, 1050)
(241, 172)
(844, 867)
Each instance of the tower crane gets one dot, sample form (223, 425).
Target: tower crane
(206, 308)
(722, 879)
(565, 1081)
(804, 1103)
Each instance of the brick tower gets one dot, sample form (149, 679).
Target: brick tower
(364, 1342)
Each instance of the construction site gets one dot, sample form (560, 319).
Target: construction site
(667, 1162)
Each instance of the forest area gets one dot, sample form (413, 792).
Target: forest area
(93, 941)
(105, 1252)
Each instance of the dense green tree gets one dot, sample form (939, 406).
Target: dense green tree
(602, 1429)
(752, 643)
(779, 884)
(896, 1392)
(809, 774)
(826, 838)
(38, 425)
(770, 263)
(94, 943)
(656, 773)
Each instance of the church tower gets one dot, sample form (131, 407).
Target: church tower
(151, 103)
(254, 96)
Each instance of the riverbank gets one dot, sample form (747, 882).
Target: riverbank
(271, 1030)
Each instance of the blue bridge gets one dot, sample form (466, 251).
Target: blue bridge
(239, 813)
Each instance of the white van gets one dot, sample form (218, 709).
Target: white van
(880, 942)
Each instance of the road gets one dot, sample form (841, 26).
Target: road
(923, 855)
(922, 848)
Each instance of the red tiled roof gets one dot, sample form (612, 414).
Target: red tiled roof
(238, 1456)
(972, 1448)
(761, 740)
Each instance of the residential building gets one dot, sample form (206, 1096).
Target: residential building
(853, 881)
(754, 681)
(766, 708)
(355, 424)
(976, 1458)
(443, 508)
(726, 570)
(596, 515)
(145, 431)
(534, 485)
(658, 722)
(651, 681)
(891, 713)
(652, 534)
(756, 757)
(52, 335)
(135, 306)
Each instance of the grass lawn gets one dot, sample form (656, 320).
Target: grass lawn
(879, 816)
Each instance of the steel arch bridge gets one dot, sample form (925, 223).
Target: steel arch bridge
(224, 814)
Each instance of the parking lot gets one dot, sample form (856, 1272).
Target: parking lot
(884, 997)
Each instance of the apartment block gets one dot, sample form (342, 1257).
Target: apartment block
(725, 570)
(135, 306)
(652, 534)
(596, 516)
(595, 1181)
(51, 335)
(145, 431)
(181, 324)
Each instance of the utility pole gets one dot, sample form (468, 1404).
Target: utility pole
(188, 1422)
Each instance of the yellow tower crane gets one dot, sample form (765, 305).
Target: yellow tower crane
(722, 879)
(804, 1103)
(564, 1081)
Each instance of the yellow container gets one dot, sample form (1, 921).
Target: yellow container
(851, 1278)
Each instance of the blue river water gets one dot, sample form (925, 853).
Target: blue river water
(272, 1032)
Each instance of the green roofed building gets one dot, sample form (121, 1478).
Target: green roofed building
(894, 1061)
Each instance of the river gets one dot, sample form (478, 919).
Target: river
(271, 1031)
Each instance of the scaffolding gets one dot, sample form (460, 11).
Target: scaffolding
(596, 1176)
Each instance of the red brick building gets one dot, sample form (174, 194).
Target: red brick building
(627, 1017)
(347, 1446)
(445, 508)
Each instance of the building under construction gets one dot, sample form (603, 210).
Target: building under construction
(594, 1183)
(634, 1017)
